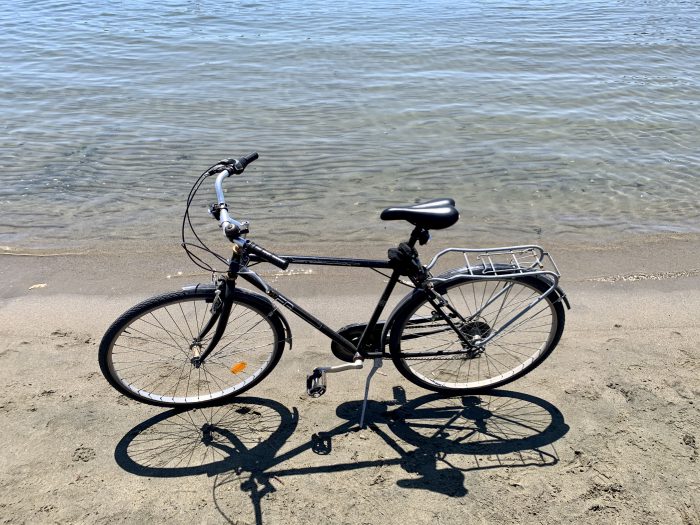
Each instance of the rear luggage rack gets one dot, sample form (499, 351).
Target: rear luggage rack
(509, 261)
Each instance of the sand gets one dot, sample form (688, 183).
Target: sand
(605, 431)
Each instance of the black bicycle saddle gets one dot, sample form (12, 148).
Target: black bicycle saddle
(435, 214)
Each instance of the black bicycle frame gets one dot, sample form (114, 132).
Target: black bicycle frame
(277, 296)
(255, 280)
(237, 269)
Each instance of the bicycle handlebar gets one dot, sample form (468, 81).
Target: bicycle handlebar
(230, 226)
(231, 167)
(239, 165)
(245, 160)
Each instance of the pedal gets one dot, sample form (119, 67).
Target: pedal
(316, 383)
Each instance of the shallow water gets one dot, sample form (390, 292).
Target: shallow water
(543, 120)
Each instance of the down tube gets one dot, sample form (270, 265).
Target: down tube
(261, 285)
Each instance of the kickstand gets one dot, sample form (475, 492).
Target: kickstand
(375, 366)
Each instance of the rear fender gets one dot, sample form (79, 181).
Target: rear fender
(462, 273)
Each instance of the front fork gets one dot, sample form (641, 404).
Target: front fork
(220, 311)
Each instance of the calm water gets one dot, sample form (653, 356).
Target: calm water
(547, 119)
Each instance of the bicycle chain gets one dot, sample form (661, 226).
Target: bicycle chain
(438, 358)
(446, 358)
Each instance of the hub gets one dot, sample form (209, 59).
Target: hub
(196, 348)
(475, 331)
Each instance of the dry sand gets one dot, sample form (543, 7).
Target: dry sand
(605, 431)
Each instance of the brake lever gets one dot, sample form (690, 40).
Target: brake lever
(233, 165)
(218, 168)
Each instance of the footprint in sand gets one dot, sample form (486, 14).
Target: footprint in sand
(84, 454)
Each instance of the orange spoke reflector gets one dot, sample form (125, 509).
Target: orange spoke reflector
(238, 368)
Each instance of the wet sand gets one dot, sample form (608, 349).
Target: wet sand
(605, 431)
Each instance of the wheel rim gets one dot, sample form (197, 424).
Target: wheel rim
(151, 357)
(487, 305)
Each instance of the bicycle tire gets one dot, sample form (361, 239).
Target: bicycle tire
(503, 360)
(146, 354)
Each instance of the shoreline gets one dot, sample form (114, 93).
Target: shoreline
(130, 267)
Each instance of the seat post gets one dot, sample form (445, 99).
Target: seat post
(415, 235)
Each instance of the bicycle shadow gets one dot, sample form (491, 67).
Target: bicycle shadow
(211, 440)
(467, 433)
(436, 440)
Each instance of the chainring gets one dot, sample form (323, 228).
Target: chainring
(352, 333)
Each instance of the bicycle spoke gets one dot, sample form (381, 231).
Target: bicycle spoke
(152, 355)
(501, 308)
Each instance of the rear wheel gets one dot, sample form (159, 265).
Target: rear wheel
(430, 353)
(148, 353)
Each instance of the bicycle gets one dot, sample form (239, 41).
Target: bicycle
(464, 331)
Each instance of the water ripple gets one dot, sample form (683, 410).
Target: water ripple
(540, 119)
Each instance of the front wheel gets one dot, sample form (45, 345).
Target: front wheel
(429, 352)
(149, 353)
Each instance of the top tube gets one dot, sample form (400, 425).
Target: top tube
(330, 261)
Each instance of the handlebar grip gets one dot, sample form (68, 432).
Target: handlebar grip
(267, 256)
(241, 163)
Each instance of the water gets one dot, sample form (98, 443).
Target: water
(543, 120)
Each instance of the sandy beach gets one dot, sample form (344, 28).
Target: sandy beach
(605, 431)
